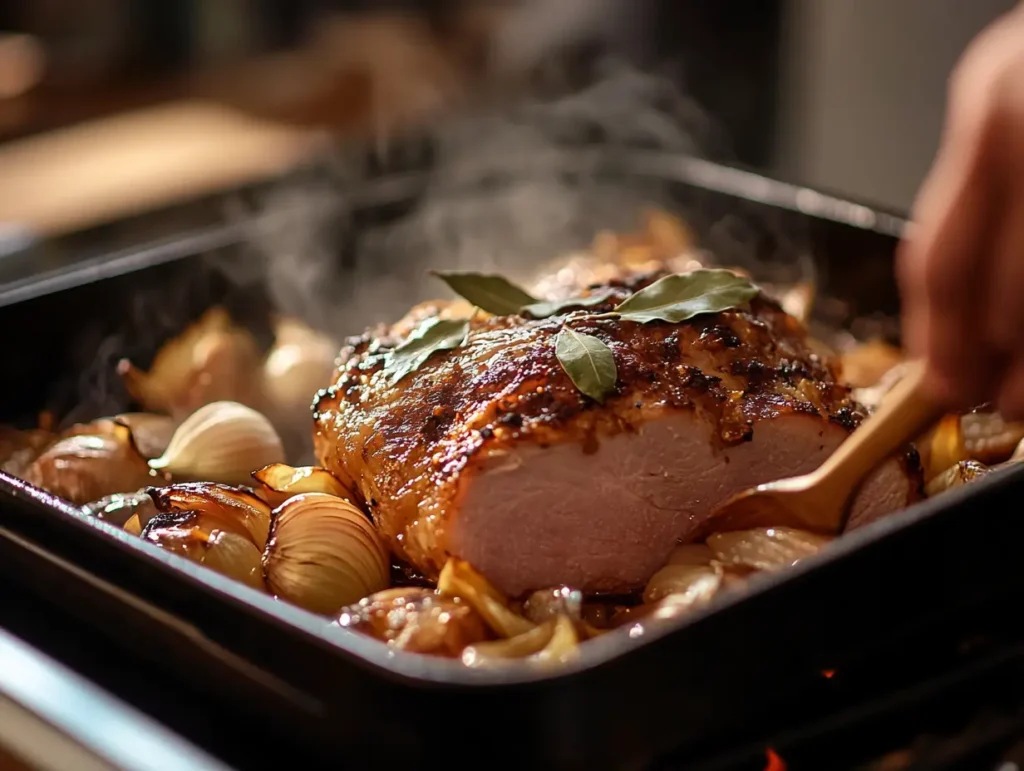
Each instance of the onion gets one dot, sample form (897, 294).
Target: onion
(249, 514)
(208, 541)
(691, 554)
(499, 651)
(955, 476)
(19, 448)
(698, 583)
(323, 554)
(213, 360)
(866, 364)
(459, 579)
(417, 620)
(988, 438)
(547, 604)
(87, 467)
(563, 645)
(300, 362)
(766, 548)
(120, 507)
(942, 447)
(278, 482)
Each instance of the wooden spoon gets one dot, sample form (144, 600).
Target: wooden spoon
(820, 500)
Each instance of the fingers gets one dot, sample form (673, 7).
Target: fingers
(943, 275)
(961, 268)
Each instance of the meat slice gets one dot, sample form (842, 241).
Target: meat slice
(489, 452)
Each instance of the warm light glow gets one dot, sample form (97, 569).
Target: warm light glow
(828, 673)
(775, 763)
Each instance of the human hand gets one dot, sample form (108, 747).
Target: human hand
(961, 266)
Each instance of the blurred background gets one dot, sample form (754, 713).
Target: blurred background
(109, 108)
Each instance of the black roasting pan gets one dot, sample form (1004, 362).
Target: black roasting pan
(802, 645)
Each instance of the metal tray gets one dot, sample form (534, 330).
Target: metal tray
(730, 676)
(53, 719)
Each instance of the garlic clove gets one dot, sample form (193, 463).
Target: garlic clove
(241, 510)
(323, 554)
(221, 442)
(279, 482)
(208, 541)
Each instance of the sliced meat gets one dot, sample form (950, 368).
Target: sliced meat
(489, 452)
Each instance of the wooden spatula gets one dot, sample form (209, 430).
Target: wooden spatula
(820, 500)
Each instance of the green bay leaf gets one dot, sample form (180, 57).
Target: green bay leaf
(488, 292)
(432, 336)
(543, 310)
(682, 296)
(588, 362)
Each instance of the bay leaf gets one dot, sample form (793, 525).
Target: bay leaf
(588, 362)
(682, 296)
(432, 336)
(545, 309)
(489, 292)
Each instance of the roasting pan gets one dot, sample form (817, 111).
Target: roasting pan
(799, 643)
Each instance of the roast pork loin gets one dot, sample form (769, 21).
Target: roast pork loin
(489, 452)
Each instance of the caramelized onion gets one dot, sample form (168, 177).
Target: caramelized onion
(766, 548)
(866, 364)
(213, 360)
(19, 448)
(417, 620)
(547, 604)
(955, 476)
(563, 645)
(207, 540)
(942, 447)
(698, 582)
(120, 507)
(691, 554)
(988, 438)
(299, 363)
(250, 514)
(499, 651)
(87, 467)
(459, 579)
(278, 482)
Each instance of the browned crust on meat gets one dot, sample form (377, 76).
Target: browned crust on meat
(405, 447)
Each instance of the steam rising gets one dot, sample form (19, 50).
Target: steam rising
(349, 244)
